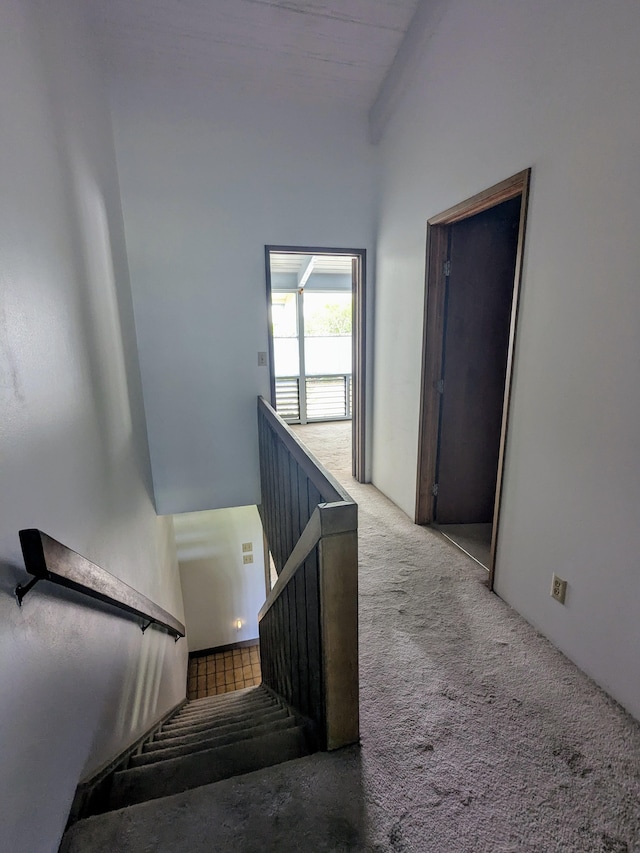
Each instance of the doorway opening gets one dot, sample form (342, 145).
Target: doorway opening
(315, 299)
(474, 264)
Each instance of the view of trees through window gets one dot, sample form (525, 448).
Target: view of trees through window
(327, 333)
(327, 314)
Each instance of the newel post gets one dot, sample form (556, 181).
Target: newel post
(338, 569)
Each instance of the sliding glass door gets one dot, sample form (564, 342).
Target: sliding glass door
(312, 339)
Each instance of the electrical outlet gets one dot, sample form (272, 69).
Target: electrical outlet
(247, 558)
(558, 589)
(262, 359)
(246, 547)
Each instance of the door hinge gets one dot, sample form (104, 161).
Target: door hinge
(446, 268)
(440, 386)
(434, 490)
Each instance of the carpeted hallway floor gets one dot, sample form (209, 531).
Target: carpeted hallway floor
(477, 735)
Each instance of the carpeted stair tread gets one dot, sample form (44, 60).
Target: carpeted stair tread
(235, 736)
(261, 811)
(180, 721)
(199, 706)
(221, 712)
(174, 775)
(221, 718)
(208, 720)
(227, 700)
(196, 708)
(211, 729)
(232, 696)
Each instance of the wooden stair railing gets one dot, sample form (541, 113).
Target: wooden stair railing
(309, 623)
(47, 559)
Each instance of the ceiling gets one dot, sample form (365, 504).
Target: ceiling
(291, 271)
(322, 50)
(294, 262)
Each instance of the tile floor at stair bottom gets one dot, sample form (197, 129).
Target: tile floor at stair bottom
(222, 672)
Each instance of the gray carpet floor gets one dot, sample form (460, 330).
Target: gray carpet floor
(477, 735)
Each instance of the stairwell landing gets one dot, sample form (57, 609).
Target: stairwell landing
(206, 741)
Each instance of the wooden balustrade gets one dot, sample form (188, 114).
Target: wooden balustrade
(293, 483)
(309, 623)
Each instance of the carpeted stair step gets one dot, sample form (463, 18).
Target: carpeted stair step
(235, 736)
(225, 704)
(212, 713)
(174, 775)
(207, 721)
(195, 733)
(226, 701)
(203, 714)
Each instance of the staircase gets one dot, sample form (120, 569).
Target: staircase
(207, 741)
(216, 766)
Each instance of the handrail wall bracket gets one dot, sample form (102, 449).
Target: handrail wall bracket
(21, 591)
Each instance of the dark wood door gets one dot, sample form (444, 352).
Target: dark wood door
(476, 336)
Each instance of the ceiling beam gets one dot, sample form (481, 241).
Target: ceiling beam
(306, 268)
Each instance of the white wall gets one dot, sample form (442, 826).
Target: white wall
(555, 86)
(207, 180)
(77, 683)
(217, 586)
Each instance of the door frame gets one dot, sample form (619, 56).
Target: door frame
(438, 234)
(358, 343)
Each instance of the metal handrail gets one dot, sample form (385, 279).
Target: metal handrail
(47, 559)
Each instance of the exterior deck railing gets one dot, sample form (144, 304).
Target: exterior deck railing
(319, 398)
